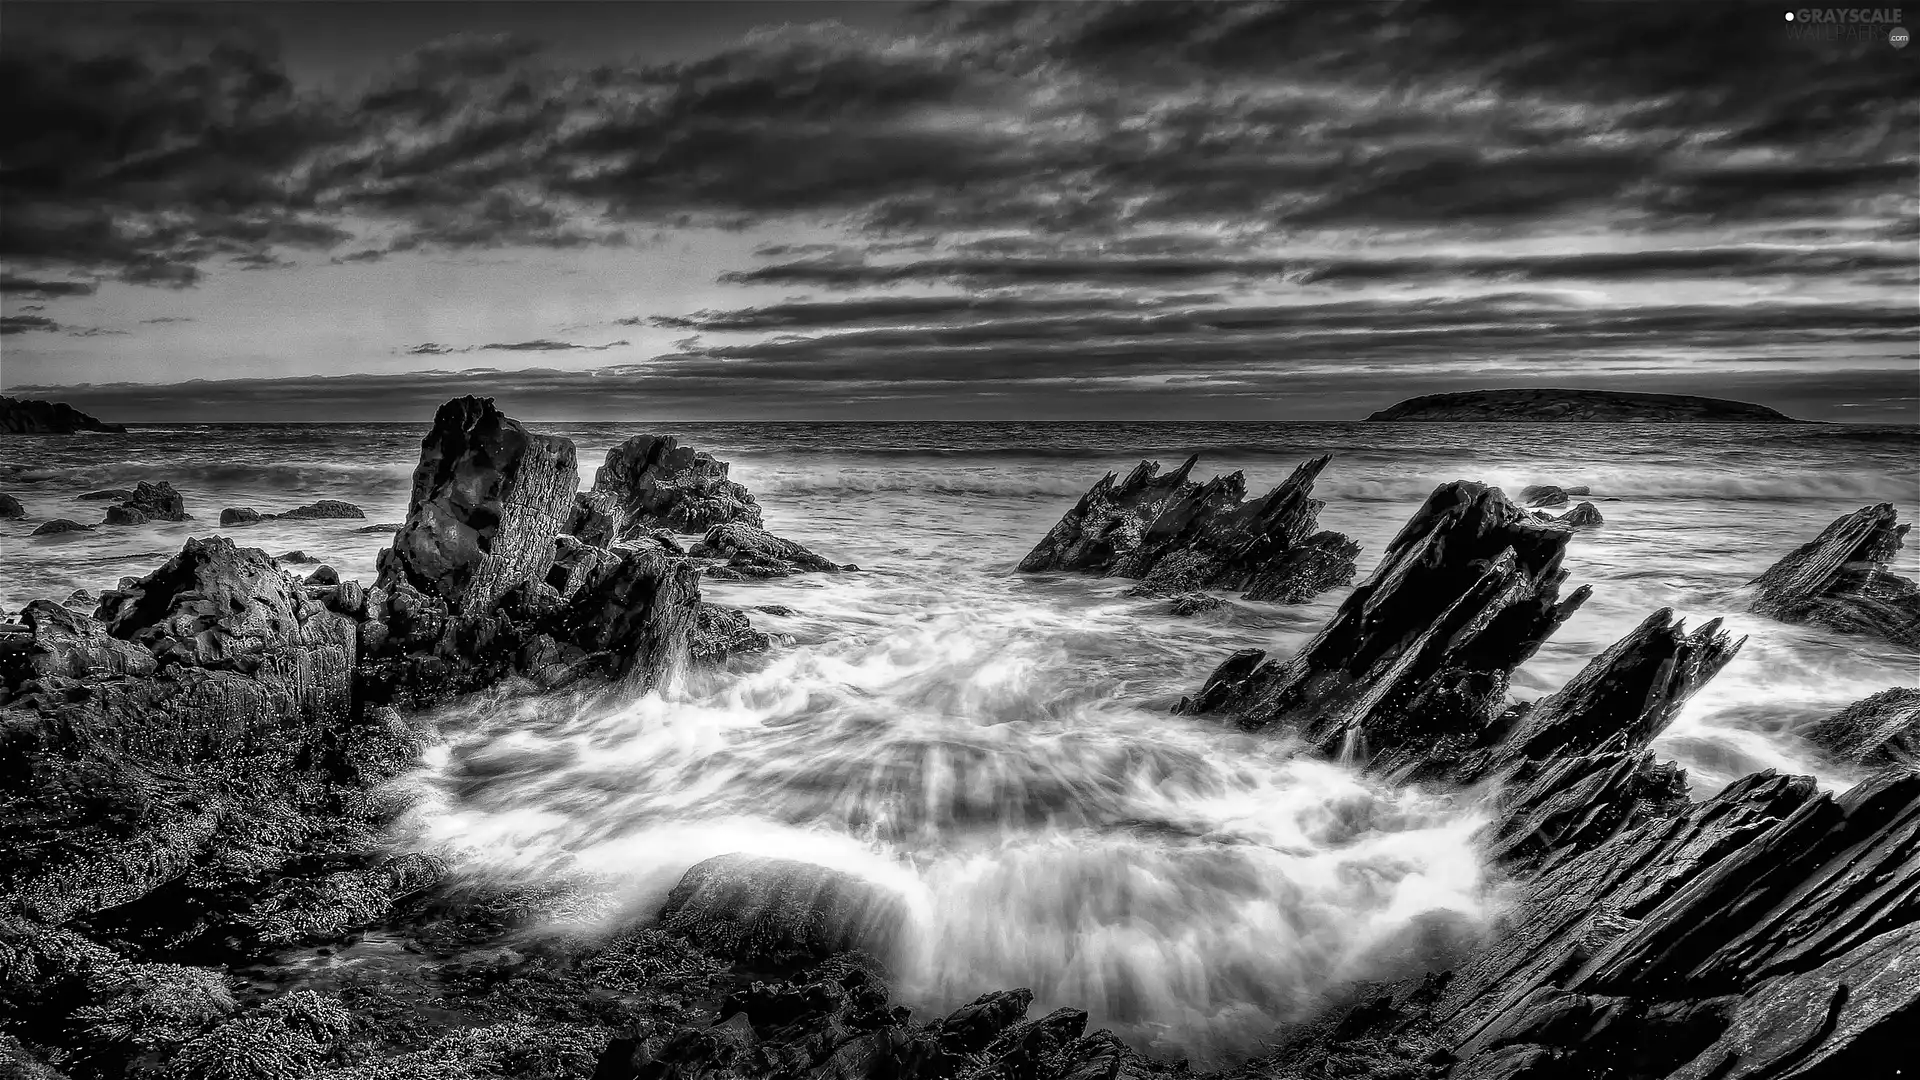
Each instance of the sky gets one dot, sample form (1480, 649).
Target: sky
(1165, 210)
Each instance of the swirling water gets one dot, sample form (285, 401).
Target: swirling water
(997, 748)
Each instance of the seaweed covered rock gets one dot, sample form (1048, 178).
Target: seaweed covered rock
(746, 551)
(780, 912)
(654, 482)
(149, 502)
(1465, 593)
(488, 498)
(1176, 535)
(1879, 730)
(1840, 580)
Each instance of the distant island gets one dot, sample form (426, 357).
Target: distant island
(1581, 405)
(30, 416)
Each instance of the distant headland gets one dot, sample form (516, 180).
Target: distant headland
(31, 416)
(1541, 404)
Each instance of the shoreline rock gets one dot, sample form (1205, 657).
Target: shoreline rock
(1840, 580)
(651, 482)
(148, 502)
(33, 416)
(323, 510)
(1175, 535)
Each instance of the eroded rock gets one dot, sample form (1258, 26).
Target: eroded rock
(746, 551)
(654, 482)
(780, 912)
(1876, 731)
(1840, 580)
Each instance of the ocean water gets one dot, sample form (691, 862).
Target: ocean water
(997, 748)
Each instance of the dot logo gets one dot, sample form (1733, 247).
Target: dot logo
(1898, 38)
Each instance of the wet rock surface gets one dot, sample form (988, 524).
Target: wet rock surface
(1176, 535)
(323, 510)
(1840, 580)
(148, 502)
(741, 551)
(651, 482)
(59, 525)
(1879, 730)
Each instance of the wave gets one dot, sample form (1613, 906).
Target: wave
(369, 476)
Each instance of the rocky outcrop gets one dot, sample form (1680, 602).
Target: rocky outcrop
(1584, 516)
(1466, 592)
(58, 526)
(1176, 535)
(652, 482)
(781, 913)
(1876, 731)
(1840, 580)
(30, 416)
(488, 498)
(149, 502)
(106, 495)
(323, 510)
(1540, 404)
(746, 551)
(10, 508)
(1549, 495)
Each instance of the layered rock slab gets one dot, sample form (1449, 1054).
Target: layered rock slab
(1840, 580)
(652, 481)
(1175, 535)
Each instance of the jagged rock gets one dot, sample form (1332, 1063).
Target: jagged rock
(149, 502)
(774, 609)
(752, 552)
(1840, 580)
(655, 482)
(1179, 536)
(643, 612)
(58, 526)
(721, 632)
(488, 499)
(1582, 516)
(575, 562)
(81, 599)
(1194, 603)
(1466, 592)
(1876, 731)
(324, 509)
(10, 508)
(298, 558)
(240, 515)
(325, 575)
(1549, 494)
(595, 518)
(32, 416)
(780, 912)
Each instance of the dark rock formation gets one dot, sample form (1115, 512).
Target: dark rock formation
(488, 499)
(58, 526)
(1549, 495)
(1879, 730)
(1465, 593)
(720, 632)
(1840, 580)
(10, 508)
(781, 913)
(106, 495)
(1540, 404)
(324, 509)
(1584, 516)
(82, 600)
(1176, 535)
(240, 515)
(1186, 604)
(595, 518)
(385, 526)
(298, 558)
(149, 502)
(654, 482)
(29, 416)
(746, 551)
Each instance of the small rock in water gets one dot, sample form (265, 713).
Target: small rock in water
(325, 575)
(295, 557)
(323, 510)
(106, 495)
(774, 609)
(239, 515)
(148, 502)
(60, 525)
(126, 514)
(1550, 495)
(1194, 603)
(1840, 580)
(1582, 516)
(385, 526)
(10, 508)
(781, 911)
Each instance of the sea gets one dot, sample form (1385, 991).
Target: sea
(998, 748)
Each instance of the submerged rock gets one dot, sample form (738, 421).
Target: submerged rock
(298, 558)
(1840, 580)
(488, 498)
(323, 510)
(58, 526)
(240, 515)
(721, 632)
(1179, 536)
(746, 551)
(106, 495)
(1876, 731)
(654, 482)
(779, 912)
(10, 508)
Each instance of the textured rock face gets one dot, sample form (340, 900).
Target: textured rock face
(779, 912)
(28, 416)
(1540, 404)
(10, 508)
(58, 526)
(1175, 535)
(654, 482)
(643, 612)
(488, 499)
(1466, 592)
(1584, 516)
(239, 515)
(745, 551)
(325, 509)
(1876, 731)
(149, 502)
(1840, 580)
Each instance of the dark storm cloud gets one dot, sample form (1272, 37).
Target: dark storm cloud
(21, 324)
(1057, 119)
(1743, 261)
(17, 286)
